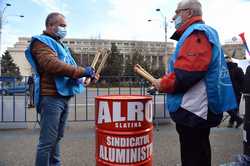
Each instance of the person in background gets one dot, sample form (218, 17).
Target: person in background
(237, 78)
(197, 83)
(31, 91)
(57, 78)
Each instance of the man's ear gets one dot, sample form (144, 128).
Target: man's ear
(191, 12)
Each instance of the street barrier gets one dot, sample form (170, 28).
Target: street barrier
(13, 103)
(19, 110)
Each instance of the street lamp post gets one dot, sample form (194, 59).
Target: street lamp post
(1, 24)
(165, 57)
(165, 23)
(1, 27)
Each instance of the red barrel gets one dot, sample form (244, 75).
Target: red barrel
(124, 130)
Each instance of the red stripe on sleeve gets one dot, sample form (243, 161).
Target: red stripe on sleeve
(167, 83)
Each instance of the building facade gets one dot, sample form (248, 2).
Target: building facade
(234, 49)
(85, 49)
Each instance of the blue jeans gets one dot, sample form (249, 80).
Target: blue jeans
(54, 113)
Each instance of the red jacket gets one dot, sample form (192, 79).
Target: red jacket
(187, 71)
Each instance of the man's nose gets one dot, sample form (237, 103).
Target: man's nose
(174, 17)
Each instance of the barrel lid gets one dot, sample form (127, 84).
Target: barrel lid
(124, 97)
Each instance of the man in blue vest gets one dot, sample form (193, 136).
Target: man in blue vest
(197, 83)
(57, 78)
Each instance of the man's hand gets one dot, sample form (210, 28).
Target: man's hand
(89, 80)
(156, 84)
(89, 72)
(97, 77)
(151, 90)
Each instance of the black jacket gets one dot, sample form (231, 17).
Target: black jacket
(247, 81)
(237, 78)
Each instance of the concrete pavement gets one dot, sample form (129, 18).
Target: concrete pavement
(78, 146)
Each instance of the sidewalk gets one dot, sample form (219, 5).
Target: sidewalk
(78, 146)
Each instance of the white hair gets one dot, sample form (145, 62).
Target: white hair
(194, 5)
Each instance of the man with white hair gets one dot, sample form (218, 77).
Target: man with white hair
(197, 83)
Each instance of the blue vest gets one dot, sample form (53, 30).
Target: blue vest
(65, 86)
(219, 88)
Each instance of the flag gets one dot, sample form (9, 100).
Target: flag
(244, 42)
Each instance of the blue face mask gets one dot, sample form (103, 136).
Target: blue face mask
(61, 32)
(178, 22)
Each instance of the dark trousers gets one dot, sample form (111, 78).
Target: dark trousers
(234, 114)
(31, 95)
(195, 146)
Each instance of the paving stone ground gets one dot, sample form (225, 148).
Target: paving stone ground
(17, 147)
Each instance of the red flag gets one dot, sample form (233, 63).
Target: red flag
(242, 36)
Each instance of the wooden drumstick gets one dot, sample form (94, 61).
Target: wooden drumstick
(94, 62)
(104, 59)
(144, 74)
(143, 70)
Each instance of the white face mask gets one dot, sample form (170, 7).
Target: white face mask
(61, 32)
(178, 22)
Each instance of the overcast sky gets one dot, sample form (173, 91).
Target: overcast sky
(119, 19)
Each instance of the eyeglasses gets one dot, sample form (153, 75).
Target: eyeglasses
(179, 10)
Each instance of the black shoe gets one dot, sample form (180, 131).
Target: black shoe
(31, 106)
(239, 122)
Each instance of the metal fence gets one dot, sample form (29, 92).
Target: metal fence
(14, 105)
